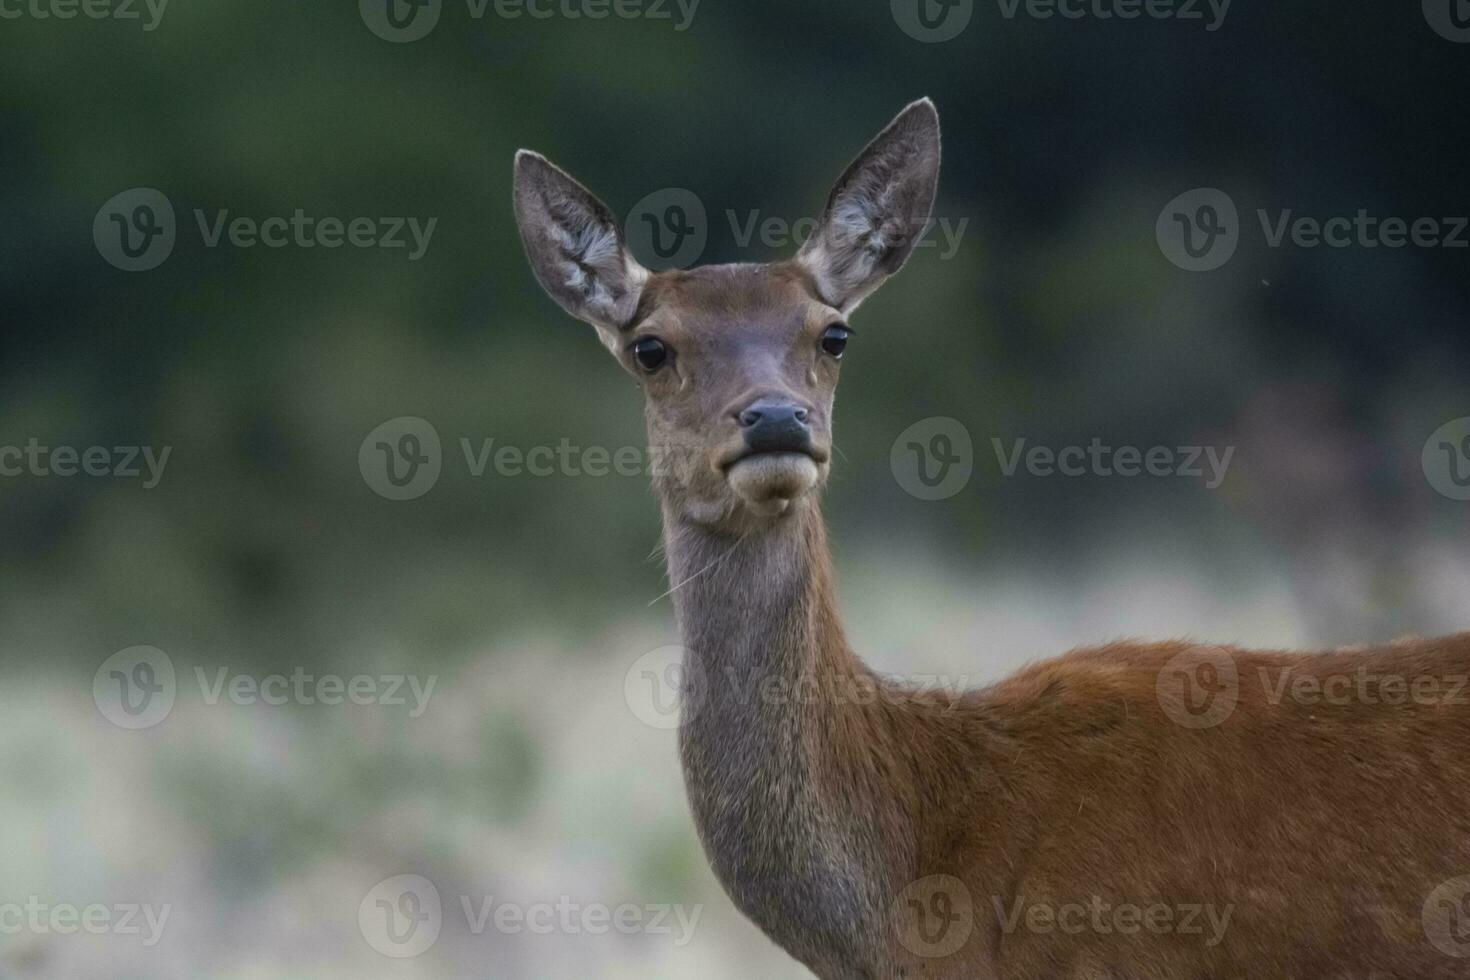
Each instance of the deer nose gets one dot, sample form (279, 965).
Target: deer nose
(774, 426)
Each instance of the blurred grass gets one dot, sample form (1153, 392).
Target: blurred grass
(264, 550)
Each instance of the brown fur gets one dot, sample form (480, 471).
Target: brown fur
(1320, 828)
(1093, 817)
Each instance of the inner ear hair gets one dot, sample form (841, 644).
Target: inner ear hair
(575, 247)
(877, 210)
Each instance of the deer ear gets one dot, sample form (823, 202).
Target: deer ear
(575, 247)
(877, 210)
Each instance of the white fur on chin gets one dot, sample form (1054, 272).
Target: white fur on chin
(769, 482)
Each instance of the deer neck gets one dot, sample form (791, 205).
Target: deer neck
(772, 735)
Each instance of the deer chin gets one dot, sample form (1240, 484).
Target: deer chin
(767, 483)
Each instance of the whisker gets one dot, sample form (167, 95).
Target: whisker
(728, 552)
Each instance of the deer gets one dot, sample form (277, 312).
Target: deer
(1129, 811)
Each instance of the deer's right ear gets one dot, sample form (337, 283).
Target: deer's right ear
(576, 248)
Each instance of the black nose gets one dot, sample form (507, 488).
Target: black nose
(773, 426)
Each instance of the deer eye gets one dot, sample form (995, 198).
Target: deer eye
(650, 353)
(834, 341)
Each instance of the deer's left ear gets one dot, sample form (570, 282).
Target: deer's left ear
(877, 210)
(575, 247)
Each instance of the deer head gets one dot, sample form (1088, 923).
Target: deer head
(739, 363)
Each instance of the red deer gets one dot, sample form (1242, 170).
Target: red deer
(1129, 812)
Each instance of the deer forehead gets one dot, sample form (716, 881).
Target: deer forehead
(733, 307)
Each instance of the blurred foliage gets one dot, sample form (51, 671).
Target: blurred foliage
(1058, 321)
(263, 368)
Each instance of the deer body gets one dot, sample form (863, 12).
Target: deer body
(1132, 812)
(1300, 838)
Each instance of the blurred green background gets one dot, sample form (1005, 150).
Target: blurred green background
(532, 775)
